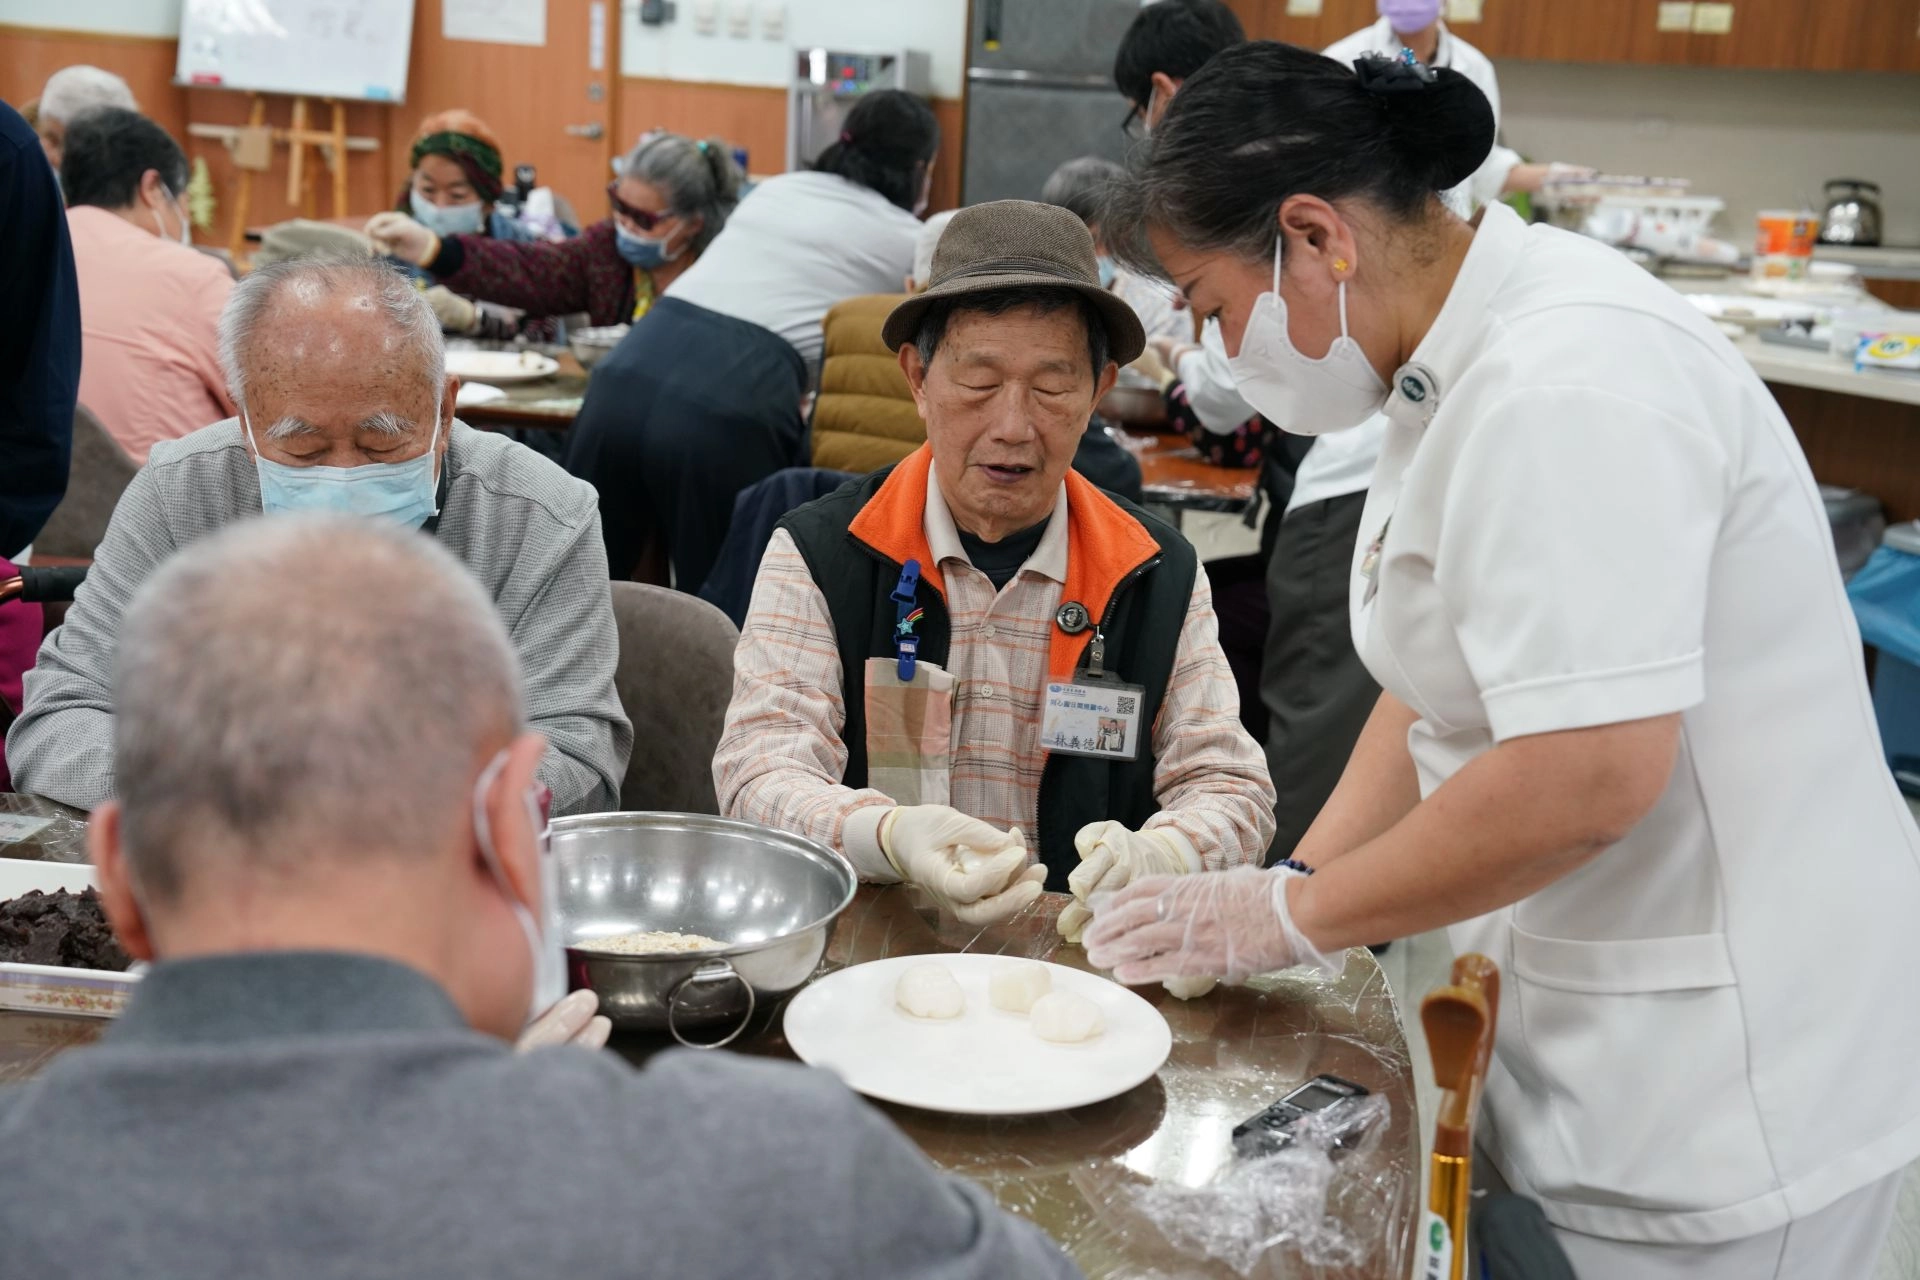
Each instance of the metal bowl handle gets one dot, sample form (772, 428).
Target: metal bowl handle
(711, 971)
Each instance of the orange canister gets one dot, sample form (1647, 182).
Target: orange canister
(1783, 246)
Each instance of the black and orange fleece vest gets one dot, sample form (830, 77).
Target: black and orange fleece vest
(1133, 573)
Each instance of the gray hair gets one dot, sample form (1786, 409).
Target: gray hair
(698, 179)
(71, 90)
(404, 306)
(1081, 186)
(300, 687)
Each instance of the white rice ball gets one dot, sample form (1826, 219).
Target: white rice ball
(1014, 987)
(930, 991)
(1066, 1018)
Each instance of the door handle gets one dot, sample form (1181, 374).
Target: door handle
(591, 132)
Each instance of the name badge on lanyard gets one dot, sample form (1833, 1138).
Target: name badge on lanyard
(1095, 715)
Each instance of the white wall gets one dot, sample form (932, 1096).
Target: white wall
(675, 51)
(115, 17)
(1756, 139)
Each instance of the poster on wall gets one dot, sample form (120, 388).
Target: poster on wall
(495, 21)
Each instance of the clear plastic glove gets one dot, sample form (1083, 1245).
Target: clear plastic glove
(399, 236)
(1223, 924)
(571, 1020)
(455, 313)
(973, 870)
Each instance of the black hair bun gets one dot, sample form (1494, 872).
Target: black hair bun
(1442, 125)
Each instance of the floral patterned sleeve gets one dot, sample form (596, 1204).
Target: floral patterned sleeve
(1241, 447)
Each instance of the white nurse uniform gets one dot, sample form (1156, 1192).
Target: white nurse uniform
(1589, 510)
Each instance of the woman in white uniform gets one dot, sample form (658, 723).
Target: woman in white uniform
(1624, 747)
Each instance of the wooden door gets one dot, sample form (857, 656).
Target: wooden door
(549, 106)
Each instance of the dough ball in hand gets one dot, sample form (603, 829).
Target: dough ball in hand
(930, 991)
(1014, 987)
(1065, 1018)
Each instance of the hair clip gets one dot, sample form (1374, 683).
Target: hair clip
(846, 136)
(1384, 75)
(704, 146)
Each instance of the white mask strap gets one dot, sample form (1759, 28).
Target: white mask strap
(1277, 242)
(1343, 308)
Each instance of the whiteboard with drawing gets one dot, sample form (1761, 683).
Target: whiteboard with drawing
(320, 48)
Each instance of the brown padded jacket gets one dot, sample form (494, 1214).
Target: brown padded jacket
(864, 418)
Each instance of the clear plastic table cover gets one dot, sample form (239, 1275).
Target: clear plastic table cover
(1146, 1185)
(41, 830)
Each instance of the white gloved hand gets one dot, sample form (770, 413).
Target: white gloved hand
(1224, 924)
(396, 234)
(572, 1021)
(1112, 856)
(455, 313)
(975, 871)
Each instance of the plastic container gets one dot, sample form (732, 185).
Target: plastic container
(1783, 244)
(1886, 601)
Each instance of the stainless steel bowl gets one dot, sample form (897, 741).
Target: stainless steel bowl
(771, 897)
(589, 345)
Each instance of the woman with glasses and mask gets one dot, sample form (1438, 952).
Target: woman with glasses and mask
(671, 199)
(1624, 745)
(704, 396)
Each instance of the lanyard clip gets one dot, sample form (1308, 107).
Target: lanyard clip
(1097, 654)
(906, 645)
(903, 591)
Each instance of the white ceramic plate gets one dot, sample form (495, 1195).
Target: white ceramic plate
(986, 1062)
(37, 988)
(501, 367)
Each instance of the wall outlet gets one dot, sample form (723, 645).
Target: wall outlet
(1459, 11)
(773, 21)
(706, 17)
(1712, 19)
(1674, 17)
(1303, 8)
(740, 19)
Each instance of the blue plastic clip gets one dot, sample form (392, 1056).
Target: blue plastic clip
(906, 644)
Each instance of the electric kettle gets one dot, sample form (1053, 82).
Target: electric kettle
(1853, 213)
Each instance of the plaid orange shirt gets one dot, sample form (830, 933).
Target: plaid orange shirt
(781, 757)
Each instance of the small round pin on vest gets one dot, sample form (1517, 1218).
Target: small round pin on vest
(1072, 617)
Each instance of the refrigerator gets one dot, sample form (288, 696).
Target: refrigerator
(1040, 91)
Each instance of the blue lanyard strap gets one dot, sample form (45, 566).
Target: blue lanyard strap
(906, 616)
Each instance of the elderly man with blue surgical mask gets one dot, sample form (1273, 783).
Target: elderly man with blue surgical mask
(346, 407)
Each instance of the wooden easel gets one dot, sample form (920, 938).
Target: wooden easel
(251, 147)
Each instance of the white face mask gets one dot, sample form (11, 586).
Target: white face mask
(186, 227)
(544, 950)
(1304, 396)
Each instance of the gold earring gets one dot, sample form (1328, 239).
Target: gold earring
(1339, 264)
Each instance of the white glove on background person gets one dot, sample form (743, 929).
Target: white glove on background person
(1224, 924)
(571, 1020)
(455, 313)
(1112, 856)
(972, 869)
(399, 236)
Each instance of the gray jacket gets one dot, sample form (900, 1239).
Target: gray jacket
(320, 1115)
(527, 530)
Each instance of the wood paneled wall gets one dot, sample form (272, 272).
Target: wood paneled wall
(744, 115)
(755, 117)
(1869, 445)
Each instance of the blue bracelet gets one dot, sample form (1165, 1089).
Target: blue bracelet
(1292, 865)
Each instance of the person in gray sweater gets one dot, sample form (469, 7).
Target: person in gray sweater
(339, 371)
(334, 866)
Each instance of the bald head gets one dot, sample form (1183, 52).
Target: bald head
(300, 689)
(335, 362)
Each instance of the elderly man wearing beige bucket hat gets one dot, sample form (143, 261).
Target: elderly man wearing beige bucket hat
(975, 671)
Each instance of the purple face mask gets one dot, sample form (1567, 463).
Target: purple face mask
(1409, 16)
